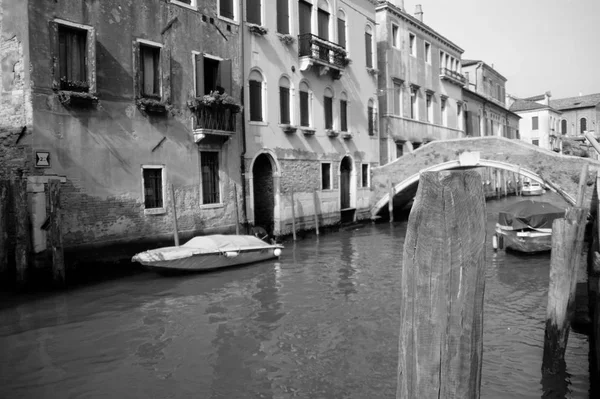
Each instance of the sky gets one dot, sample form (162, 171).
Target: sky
(537, 45)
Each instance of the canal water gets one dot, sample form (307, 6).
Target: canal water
(321, 322)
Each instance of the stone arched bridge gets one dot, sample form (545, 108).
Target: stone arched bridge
(558, 172)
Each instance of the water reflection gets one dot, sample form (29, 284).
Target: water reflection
(347, 267)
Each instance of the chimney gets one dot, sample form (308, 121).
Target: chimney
(398, 3)
(547, 96)
(419, 12)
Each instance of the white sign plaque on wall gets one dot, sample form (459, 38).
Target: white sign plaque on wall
(42, 159)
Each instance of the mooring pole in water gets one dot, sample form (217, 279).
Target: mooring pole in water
(174, 207)
(442, 287)
(237, 211)
(316, 201)
(391, 203)
(293, 216)
(582, 184)
(56, 239)
(4, 185)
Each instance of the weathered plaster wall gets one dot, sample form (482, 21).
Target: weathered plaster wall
(101, 150)
(573, 118)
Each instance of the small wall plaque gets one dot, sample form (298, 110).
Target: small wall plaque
(42, 159)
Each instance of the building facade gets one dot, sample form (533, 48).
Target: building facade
(310, 117)
(420, 82)
(578, 114)
(485, 111)
(539, 120)
(116, 102)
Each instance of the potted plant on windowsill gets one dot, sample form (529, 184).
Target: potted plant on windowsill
(372, 71)
(346, 135)
(286, 39)
(256, 29)
(75, 93)
(215, 100)
(287, 128)
(346, 61)
(332, 132)
(79, 86)
(308, 131)
(151, 104)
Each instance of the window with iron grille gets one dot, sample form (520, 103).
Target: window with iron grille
(153, 192)
(72, 58)
(328, 108)
(150, 70)
(325, 176)
(283, 16)
(343, 115)
(365, 175)
(209, 164)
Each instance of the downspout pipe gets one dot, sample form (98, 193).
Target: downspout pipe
(243, 115)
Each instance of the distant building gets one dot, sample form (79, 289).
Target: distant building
(578, 114)
(485, 111)
(539, 120)
(420, 82)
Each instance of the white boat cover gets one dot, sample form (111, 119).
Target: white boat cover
(210, 244)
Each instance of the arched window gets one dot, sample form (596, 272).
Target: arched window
(285, 98)
(582, 125)
(369, 46)
(371, 117)
(323, 14)
(343, 112)
(305, 104)
(341, 28)
(255, 89)
(328, 108)
(563, 126)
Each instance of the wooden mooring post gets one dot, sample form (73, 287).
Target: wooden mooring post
(316, 203)
(237, 211)
(174, 209)
(22, 232)
(293, 215)
(593, 292)
(391, 203)
(56, 242)
(567, 246)
(4, 192)
(442, 289)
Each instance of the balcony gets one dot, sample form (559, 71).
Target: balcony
(312, 50)
(452, 76)
(213, 121)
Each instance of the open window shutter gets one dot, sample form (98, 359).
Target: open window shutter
(224, 77)
(165, 58)
(199, 75)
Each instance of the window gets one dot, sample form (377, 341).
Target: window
(582, 125)
(304, 15)
(429, 108)
(343, 113)
(304, 105)
(255, 88)
(212, 74)
(443, 110)
(284, 101)
(283, 16)
(395, 36)
(209, 165)
(428, 53)
(150, 70)
(397, 98)
(72, 59)
(369, 46)
(414, 102)
(323, 23)
(253, 12)
(185, 3)
(535, 142)
(371, 117)
(399, 149)
(328, 108)
(459, 117)
(412, 44)
(563, 126)
(441, 59)
(227, 9)
(152, 177)
(365, 174)
(325, 176)
(341, 27)
(534, 123)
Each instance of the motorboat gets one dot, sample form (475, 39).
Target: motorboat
(526, 226)
(209, 252)
(531, 188)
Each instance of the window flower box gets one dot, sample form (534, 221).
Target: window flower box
(77, 98)
(74, 85)
(332, 132)
(288, 128)
(257, 30)
(286, 39)
(372, 71)
(308, 131)
(346, 135)
(151, 105)
(346, 61)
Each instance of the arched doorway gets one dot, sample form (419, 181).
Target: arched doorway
(264, 192)
(345, 175)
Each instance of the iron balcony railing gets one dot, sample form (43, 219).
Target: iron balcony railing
(312, 46)
(454, 76)
(215, 118)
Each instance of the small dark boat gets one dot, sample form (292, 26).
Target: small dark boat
(526, 226)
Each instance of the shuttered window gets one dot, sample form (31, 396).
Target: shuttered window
(150, 70)
(328, 108)
(304, 109)
(209, 164)
(343, 115)
(305, 10)
(284, 105)
(341, 32)
(371, 120)
(256, 101)
(369, 49)
(226, 8)
(253, 11)
(212, 75)
(534, 123)
(153, 196)
(283, 16)
(323, 24)
(72, 58)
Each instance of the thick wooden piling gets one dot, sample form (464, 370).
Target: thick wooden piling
(4, 196)
(174, 209)
(316, 203)
(442, 289)
(237, 211)
(593, 291)
(22, 233)
(391, 203)
(582, 184)
(56, 241)
(293, 215)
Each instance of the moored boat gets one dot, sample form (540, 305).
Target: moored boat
(532, 188)
(526, 226)
(209, 252)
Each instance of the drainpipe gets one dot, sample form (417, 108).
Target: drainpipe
(243, 115)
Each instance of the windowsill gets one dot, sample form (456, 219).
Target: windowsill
(155, 211)
(211, 206)
(308, 131)
(184, 5)
(258, 123)
(229, 21)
